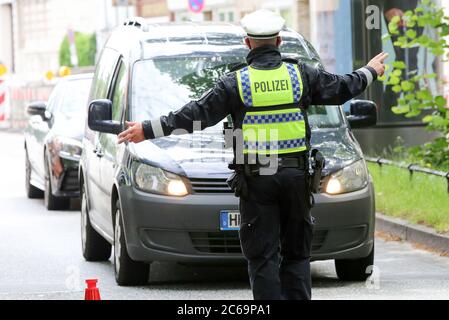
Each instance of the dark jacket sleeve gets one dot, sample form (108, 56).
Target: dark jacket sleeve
(325, 88)
(210, 109)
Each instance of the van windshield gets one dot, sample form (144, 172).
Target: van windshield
(166, 84)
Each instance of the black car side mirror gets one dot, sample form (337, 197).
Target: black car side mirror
(100, 117)
(38, 108)
(363, 114)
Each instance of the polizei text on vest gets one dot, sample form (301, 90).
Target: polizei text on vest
(270, 86)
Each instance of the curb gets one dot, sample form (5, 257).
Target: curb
(411, 232)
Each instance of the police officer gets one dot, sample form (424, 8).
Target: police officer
(265, 95)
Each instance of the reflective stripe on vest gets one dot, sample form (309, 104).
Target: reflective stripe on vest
(278, 131)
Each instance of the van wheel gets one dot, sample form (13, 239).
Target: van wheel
(32, 191)
(52, 202)
(127, 271)
(95, 247)
(355, 269)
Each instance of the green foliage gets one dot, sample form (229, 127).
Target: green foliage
(424, 202)
(86, 48)
(415, 94)
(430, 156)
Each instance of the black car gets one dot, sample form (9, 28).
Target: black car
(167, 199)
(53, 142)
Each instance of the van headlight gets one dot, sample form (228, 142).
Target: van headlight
(351, 178)
(155, 180)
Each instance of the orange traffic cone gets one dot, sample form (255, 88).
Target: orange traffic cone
(92, 292)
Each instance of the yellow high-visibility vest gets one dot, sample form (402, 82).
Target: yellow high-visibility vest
(273, 123)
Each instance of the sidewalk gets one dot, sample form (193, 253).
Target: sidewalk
(420, 235)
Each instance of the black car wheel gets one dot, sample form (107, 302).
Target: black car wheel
(32, 191)
(52, 202)
(95, 247)
(355, 269)
(127, 271)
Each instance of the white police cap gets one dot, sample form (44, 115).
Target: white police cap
(262, 24)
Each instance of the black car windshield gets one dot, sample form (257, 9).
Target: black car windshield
(165, 84)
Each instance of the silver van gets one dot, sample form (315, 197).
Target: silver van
(167, 199)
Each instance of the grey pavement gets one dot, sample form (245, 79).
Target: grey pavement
(40, 258)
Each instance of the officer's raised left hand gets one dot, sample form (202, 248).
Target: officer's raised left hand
(377, 63)
(133, 133)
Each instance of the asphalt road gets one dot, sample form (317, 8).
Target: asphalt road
(40, 258)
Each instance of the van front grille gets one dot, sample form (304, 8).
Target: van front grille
(210, 185)
(229, 242)
(216, 242)
(200, 185)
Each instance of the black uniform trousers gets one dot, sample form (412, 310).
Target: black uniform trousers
(276, 219)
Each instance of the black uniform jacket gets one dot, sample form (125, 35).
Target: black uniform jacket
(319, 88)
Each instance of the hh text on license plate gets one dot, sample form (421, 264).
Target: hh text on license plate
(229, 220)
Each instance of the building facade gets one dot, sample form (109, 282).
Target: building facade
(153, 10)
(6, 43)
(295, 12)
(31, 35)
(32, 30)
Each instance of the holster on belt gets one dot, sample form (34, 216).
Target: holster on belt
(318, 164)
(237, 181)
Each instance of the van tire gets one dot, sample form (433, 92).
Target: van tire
(355, 269)
(127, 271)
(94, 246)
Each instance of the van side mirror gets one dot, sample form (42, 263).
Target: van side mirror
(99, 117)
(363, 114)
(38, 108)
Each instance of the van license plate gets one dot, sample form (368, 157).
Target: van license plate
(229, 220)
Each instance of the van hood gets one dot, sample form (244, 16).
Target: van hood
(339, 147)
(203, 155)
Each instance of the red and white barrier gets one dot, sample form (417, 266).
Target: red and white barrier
(15, 95)
(2, 101)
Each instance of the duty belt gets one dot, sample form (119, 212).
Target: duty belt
(300, 163)
(294, 162)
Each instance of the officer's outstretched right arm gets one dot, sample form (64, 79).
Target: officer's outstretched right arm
(210, 109)
(324, 88)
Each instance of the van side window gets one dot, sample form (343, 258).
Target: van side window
(119, 93)
(103, 74)
(100, 84)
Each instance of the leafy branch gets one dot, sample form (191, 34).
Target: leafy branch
(413, 89)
